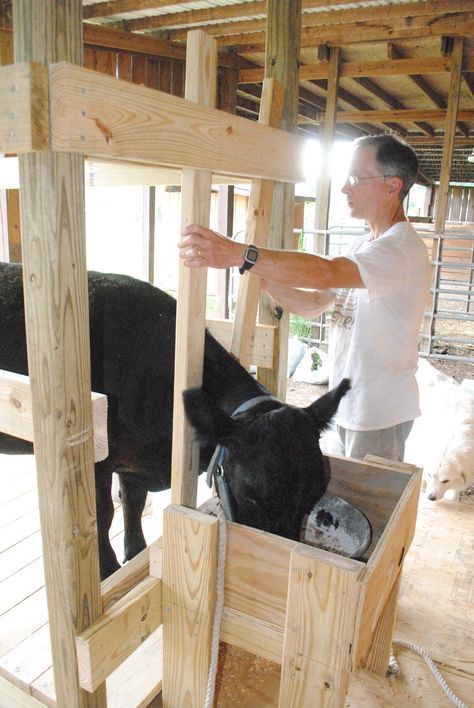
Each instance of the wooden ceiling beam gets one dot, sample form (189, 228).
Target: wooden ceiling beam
(407, 115)
(98, 36)
(460, 25)
(389, 100)
(218, 16)
(117, 7)
(356, 69)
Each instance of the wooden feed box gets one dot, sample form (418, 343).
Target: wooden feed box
(316, 613)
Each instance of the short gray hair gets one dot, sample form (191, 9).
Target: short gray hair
(394, 157)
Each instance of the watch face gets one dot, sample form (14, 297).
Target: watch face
(251, 255)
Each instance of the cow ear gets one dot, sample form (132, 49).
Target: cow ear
(210, 422)
(324, 408)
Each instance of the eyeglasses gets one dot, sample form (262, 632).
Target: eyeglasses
(354, 181)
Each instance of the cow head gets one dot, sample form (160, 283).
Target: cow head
(274, 466)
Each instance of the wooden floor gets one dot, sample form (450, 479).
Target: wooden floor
(436, 610)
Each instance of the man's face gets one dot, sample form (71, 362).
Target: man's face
(369, 195)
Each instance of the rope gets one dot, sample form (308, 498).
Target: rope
(434, 670)
(216, 626)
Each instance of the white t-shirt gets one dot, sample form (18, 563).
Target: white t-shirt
(374, 330)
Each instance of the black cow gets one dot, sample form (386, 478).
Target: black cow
(274, 466)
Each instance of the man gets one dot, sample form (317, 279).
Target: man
(377, 294)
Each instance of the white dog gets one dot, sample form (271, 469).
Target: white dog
(450, 469)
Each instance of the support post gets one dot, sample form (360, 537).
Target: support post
(57, 325)
(258, 220)
(282, 63)
(320, 625)
(201, 72)
(189, 589)
(443, 189)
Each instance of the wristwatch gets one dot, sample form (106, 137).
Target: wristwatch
(250, 258)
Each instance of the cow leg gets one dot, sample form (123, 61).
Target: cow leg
(133, 497)
(105, 514)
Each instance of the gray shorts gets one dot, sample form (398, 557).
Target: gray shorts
(386, 442)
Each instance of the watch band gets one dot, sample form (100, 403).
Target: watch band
(250, 258)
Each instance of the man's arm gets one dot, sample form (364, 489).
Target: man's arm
(307, 303)
(202, 247)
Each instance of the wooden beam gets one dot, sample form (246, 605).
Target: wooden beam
(406, 115)
(256, 232)
(99, 36)
(189, 591)
(351, 70)
(115, 7)
(99, 116)
(419, 13)
(262, 346)
(16, 416)
(397, 29)
(24, 117)
(442, 193)
(281, 62)
(57, 333)
(327, 132)
(201, 76)
(103, 646)
(323, 599)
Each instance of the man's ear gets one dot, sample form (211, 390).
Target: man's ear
(395, 185)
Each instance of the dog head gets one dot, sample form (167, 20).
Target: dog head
(446, 478)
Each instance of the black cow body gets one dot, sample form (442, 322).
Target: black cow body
(274, 467)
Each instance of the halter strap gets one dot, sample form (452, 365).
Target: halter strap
(215, 470)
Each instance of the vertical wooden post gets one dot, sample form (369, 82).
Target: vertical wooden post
(10, 208)
(323, 597)
(258, 221)
(442, 194)
(323, 192)
(282, 63)
(189, 589)
(201, 72)
(56, 304)
(378, 657)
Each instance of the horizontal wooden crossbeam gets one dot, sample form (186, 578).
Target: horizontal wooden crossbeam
(262, 346)
(99, 116)
(16, 412)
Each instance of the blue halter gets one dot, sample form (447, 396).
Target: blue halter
(215, 470)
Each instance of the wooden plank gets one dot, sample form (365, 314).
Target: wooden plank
(24, 115)
(28, 659)
(381, 573)
(139, 679)
(23, 619)
(14, 697)
(351, 480)
(327, 132)
(258, 221)
(256, 574)
(20, 585)
(96, 115)
(261, 345)
(201, 73)
(121, 629)
(189, 587)
(352, 70)
(16, 412)
(411, 115)
(57, 329)
(255, 636)
(282, 54)
(323, 597)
